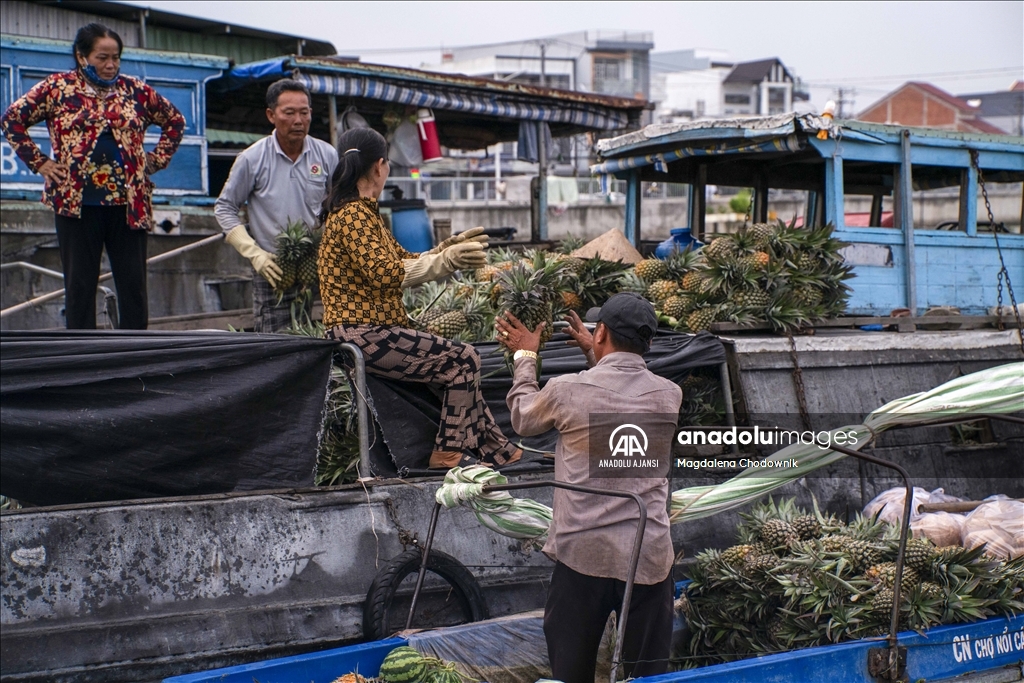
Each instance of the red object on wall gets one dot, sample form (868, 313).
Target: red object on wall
(430, 145)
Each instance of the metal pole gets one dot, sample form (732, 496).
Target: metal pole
(906, 209)
(634, 556)
(730, 416)
(423, 564)
(332, 113)
(542, 161)
(361, 409)
(106, 276)
(893, 663)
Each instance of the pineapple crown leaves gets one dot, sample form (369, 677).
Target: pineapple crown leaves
(681, 261)
(571, 243)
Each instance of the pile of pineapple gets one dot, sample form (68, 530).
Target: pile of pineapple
(777, 274)
(799, 580)
(297, 247)
(534, 285)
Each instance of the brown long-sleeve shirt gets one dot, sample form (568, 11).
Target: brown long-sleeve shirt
(594, 534)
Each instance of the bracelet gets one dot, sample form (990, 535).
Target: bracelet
(523, 353)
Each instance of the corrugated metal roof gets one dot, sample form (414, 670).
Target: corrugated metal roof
(127, 17)
(328, 65)
(661, 135)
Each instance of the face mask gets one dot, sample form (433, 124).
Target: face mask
(90, 73)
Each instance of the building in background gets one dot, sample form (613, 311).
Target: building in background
(1003, 108)
(696, 84)
(923, 104)
(597, 61)
(687, 84)
(153, 29)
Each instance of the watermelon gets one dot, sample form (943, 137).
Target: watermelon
(404, 665)
(445, 674)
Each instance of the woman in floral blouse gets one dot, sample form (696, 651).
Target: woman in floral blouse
(98, 186)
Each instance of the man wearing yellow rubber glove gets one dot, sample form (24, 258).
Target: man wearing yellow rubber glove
(281, 179)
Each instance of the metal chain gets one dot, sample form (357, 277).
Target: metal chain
(798, 382)
(1004, 274)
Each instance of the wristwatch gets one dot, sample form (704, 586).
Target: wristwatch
(523, 353)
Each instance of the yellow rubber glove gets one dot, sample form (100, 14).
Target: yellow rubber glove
(464, 256)
(262, 261)
(473, 234)
(429, 267)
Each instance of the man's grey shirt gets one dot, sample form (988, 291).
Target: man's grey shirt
(277, 190)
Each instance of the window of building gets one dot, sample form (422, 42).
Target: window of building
(733, 98)
(608, 72)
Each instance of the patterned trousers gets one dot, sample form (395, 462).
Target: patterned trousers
(408, 355)
(269, 315)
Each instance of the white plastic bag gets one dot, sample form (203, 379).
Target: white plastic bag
(999, 524)
(941, 528)
(890, 502)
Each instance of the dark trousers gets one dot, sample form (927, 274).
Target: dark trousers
(574, 619)
(81, 243)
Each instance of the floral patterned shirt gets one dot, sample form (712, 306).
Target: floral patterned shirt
(76, 116)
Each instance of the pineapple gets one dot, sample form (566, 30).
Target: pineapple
(573, 263)
(571, 300)
(692, 281)
(919, 553)
(676, 306)
(659, 290)
(807, 295)
(736, 554)
(777, 533)
(759, 260)
(720, 248)
(761, 233)
(885, 575)
(750, 297)
(485, 273)
(349, 678)
(883, 600)
(763, 562)
(701, 319)
(528, 295)
(296, 256)
(449, 324)
(807, 527)
(598, 280)
(651, 269)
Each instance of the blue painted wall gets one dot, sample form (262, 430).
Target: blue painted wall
(953, 269)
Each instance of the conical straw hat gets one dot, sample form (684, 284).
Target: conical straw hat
(611, 246)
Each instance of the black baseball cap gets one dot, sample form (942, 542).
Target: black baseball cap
(628, 314)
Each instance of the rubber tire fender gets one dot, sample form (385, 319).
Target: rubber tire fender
(382, 590)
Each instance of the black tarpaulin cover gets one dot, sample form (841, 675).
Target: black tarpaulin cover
(407, 414)
(109, 415)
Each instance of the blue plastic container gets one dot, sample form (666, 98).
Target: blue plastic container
(410, 224)
(679, 240)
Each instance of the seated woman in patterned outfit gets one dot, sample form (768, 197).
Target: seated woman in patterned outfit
(363, 271)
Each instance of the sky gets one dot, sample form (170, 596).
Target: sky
(872, 47)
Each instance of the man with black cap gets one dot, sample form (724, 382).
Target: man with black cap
(591, 536)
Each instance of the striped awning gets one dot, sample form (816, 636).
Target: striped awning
(480, 102)
(788, 143)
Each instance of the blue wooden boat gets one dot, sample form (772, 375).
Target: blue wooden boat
(940, 653)
(897, 263)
